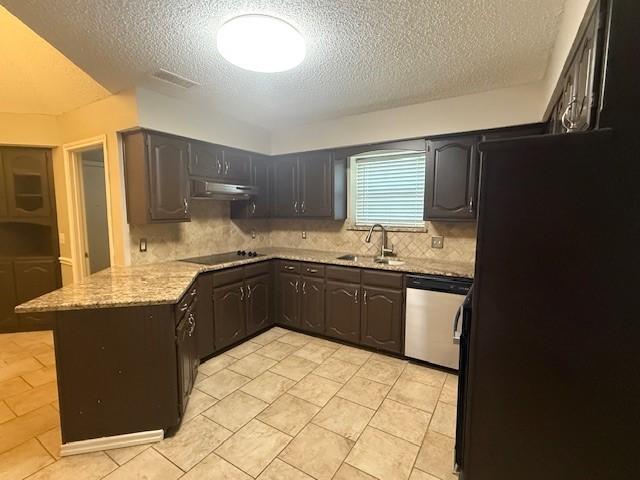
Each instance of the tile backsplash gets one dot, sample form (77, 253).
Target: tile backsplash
(212, 231)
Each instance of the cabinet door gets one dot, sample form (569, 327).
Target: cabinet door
(7, 287)
(342, 313)
(3, 191)
(316, 184)
(204, 310)
(258, 303)
(381, 319)
(285, 187)
(168, 179)
(229, 314)
(183, 357)
(312, 305)
(236, 166)
(34, 278)
(27, 182)
(288, 299)
(205, 160)
(452, 178)
(260, 206)
(584, 72)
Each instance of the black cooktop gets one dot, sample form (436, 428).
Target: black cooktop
(223, 257)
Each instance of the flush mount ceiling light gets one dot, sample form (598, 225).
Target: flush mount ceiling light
(261, 43)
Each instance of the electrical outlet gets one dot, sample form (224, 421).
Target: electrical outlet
(437, 242)
(304, 235)
(143, 244)
(253, 234)
(62, 239)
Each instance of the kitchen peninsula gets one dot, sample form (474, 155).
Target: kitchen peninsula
(128, 340)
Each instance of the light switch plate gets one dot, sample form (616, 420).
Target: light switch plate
(304, 235)
(437, 242)
(143, 244)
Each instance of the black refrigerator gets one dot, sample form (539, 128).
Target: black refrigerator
(551, 384)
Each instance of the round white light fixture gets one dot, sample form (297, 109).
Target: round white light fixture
(261, 43)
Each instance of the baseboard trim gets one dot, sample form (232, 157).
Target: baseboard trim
(109, 443)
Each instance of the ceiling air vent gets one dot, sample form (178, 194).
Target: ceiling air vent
(174, 79)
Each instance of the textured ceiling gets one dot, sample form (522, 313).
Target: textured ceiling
(362, 55)
(35, 77)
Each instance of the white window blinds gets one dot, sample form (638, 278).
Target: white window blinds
(389, 188)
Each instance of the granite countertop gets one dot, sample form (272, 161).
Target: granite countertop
(166, 283)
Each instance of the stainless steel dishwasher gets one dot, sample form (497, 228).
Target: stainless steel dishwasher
(433, 303)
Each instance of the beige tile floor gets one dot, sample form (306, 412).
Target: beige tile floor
(280, 406)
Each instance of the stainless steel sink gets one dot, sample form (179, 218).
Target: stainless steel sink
(350, 257)
(388, 261)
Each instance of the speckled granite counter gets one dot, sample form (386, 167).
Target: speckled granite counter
(165, 283)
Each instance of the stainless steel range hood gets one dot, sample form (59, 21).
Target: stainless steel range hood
(221, 191)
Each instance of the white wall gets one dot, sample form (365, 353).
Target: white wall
(496, 108)
(167, 114)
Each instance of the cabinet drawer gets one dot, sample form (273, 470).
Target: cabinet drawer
(225, 277)
(256, 269)
(312, 270)
(186, 301)
(289, 267)
(343, 274)
(376, 278)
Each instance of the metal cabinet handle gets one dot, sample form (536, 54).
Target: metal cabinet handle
(355, 295)
(194, 292)
(312, 270)
(289, 267)
(297, 291)
(184, 307)
(186, 205)
(192, 324)
(304, 288)
(456, 337)
(242, 294)
(253, 208)
(567, 123)
(364, 297)
(226, 167)
(295, 206)
(219, 166)
(302, 207)
(248, 292)
(471, 205)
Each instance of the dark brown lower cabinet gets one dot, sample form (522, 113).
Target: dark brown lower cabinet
(381, 318)
(258, 298)
(342, 313)
(312, 305)
(229, 314)
(288, 300)
(7, 287)
(34, 277)
(205, 331)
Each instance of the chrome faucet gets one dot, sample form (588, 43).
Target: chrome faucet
(384, 249)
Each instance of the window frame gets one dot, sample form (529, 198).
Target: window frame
(411, 146)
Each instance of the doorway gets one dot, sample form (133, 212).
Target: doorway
(87, 178)
(95, 211)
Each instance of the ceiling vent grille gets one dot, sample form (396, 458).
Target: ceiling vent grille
(173, 78)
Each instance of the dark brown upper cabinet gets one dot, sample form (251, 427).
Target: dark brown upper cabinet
(285, 186)
(156, 173)
(381, 318)
(260, 205)
(258, 295)
(309, 185)
(316, 185)
(342, 312)
(236, 166)
(451, 179)
(26, 183)
(205, 160)
(229, 314)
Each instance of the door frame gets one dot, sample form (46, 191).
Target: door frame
(75, 202)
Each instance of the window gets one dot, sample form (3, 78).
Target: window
(387, 187)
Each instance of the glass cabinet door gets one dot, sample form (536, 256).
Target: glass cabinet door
(27, 182)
